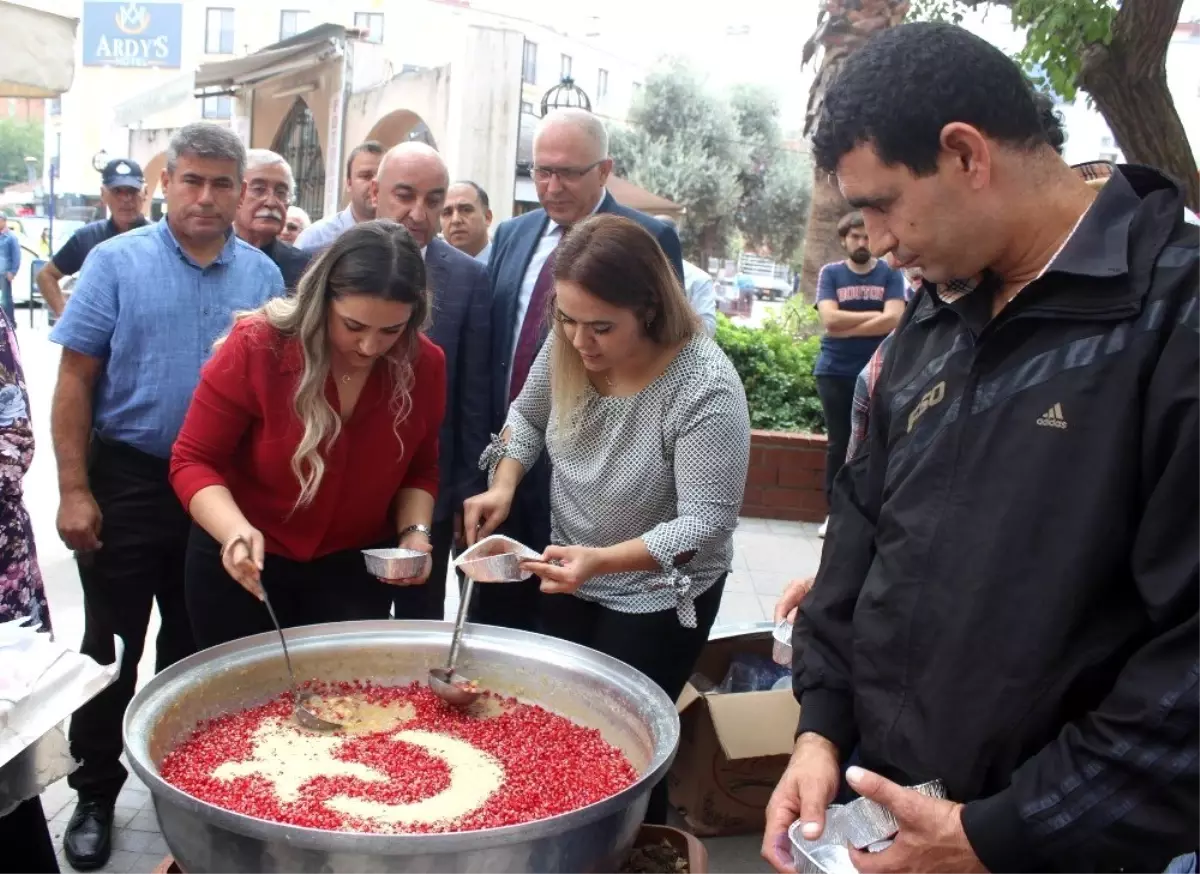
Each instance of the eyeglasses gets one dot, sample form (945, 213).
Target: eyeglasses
(564, 174)
(262, 189)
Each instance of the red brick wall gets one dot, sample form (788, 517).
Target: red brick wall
(786, 479)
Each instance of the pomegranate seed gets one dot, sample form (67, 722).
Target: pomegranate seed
(550, 764)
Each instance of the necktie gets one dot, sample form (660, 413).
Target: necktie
(529, 340)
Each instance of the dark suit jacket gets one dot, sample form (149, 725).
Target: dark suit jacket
(291, 261)
(513, 245)
(460, 301)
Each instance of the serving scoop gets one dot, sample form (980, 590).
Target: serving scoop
(449, 685)
(301, 708)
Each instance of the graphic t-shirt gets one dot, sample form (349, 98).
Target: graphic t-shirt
(854, 292)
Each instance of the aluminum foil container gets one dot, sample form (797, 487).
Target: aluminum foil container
(394, 564)
(863, 824)
(496, 559)
(781, 652)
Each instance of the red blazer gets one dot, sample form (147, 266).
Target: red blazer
(241, 431)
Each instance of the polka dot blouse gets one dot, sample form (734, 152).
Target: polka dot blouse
(667, 464)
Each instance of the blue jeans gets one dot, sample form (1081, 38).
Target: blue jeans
(1185, 864)
(6, 300)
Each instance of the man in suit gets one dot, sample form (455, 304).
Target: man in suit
(410, 188)
(570, 168)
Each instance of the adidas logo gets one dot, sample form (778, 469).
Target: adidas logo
(1053, 418)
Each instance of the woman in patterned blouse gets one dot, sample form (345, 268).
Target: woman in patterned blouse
(648, 434)
(23, 831)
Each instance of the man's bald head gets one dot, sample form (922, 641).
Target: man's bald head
(410, 188)
(570, 164)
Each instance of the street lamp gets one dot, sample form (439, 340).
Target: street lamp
(100, 160)
(565, 95)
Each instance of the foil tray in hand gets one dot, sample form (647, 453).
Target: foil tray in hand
(496, 559)
(863, 824)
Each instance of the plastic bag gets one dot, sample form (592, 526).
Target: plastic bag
(749, 672)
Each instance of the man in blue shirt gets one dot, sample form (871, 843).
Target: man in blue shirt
(10, 262)
(860, 300)
(143, 319)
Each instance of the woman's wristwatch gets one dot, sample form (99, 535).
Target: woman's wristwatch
(423, 529)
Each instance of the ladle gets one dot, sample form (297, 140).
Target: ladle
(449, 685)
(300, 707)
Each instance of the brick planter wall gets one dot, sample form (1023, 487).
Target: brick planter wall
(786, 479)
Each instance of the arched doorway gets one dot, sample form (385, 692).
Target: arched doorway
(153, 174)
(300, 145)
(401, 126)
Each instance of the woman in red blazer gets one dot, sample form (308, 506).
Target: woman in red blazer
(311, 436)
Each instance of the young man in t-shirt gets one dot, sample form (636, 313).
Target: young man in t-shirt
(860, 300)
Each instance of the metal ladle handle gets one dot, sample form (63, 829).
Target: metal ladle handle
(287, 659)
(456, 641)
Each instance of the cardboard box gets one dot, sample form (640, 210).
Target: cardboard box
(733, 747)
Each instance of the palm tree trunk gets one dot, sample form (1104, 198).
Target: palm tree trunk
(821, 242)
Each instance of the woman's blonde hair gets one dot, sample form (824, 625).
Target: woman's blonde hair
(618, 261)
(376, 258)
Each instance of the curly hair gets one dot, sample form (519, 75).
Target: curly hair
(904, 85)
(1052, 121)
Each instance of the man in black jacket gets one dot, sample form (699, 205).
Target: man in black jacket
(262, 211)
(1007, 599)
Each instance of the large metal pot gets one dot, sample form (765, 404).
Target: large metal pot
(593, 689)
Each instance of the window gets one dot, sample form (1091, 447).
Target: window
(55, 106)
(526, 107)
(565, 69)
(218, 32)
(602, 85)
(372, 23)
(216, 107)
(292, 22)
(529, 63)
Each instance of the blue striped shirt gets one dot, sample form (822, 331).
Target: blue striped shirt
(152, 313)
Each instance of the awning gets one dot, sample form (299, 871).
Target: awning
(296, 51)
(38, 60)
(162, 97)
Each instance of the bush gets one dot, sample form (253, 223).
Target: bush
(776, 369)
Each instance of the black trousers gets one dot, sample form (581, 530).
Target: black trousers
(332, 588)
(25, 840)
(837, 399)
(654, 643)
(516, 605)
(144, 535)
(429, 601)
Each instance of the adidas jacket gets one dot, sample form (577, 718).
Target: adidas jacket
(1008, 594)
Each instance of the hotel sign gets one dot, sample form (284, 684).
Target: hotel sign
(132, 34)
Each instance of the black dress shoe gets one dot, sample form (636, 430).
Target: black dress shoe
(87, 843)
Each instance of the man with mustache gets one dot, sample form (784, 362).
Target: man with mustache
(860, 300)
(263, 209)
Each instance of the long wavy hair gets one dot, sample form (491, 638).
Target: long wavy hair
(376, 258)
(619, 261)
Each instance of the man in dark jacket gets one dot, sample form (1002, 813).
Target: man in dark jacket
(262, 211)
(1007, 600)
